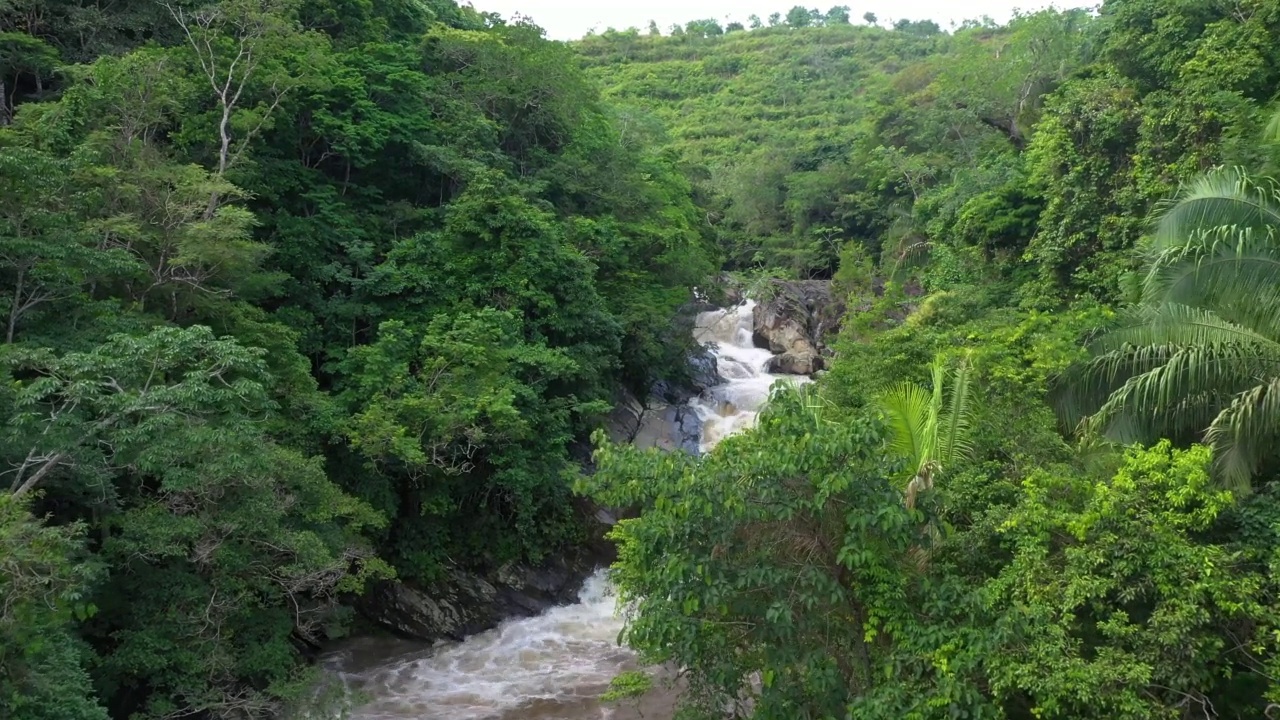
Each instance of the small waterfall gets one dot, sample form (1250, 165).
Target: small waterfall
(732, 406)
(555, 665)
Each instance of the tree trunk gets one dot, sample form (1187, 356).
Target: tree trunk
(14, 309)
(6, 113)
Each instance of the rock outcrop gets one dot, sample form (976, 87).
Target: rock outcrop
(704, 371)
(793, 322)
(464, 603)
(654, 424)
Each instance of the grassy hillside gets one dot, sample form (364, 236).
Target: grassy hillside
(801, 139)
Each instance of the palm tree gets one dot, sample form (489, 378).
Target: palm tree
(1198, 357)
(926, 430)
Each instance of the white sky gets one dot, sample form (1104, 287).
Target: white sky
(571, 19)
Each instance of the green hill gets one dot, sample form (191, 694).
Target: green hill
(800, 139)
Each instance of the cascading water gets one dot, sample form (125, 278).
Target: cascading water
(732, 406)
(549, 667)
(553, 666)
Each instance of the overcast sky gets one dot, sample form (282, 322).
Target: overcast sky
(571, 19)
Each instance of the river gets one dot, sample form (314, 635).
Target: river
(553, 666)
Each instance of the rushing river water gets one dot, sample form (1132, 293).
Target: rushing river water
(553, 666)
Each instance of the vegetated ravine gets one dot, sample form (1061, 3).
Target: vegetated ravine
(554, 666)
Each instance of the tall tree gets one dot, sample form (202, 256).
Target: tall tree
(799, 16)
(44, 583)
(837, 15)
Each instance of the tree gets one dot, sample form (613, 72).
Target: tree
(234, 43)
(703, 28)
(870, 18)
(760, 567)
(754, 21)
(22, 55)
(44, 583)
(775, 19)
(48, 253)
(838, 15)
(244, 546)
(921, 28)
(733, 27)
(138, 223)
(1131, 617)
(927, 427)
(653, 28)
(799, 16)
(1196, 356)
(1005, 89)
(1094, 211)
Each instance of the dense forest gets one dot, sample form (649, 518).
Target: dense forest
(1038, 480)
(299, 296)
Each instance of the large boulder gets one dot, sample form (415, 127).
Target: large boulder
(795, 363)
(793, 322)
(654, 424)
(704, 371)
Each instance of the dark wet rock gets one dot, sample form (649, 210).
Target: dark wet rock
(623, 422)
(655, 424)
(732, 290)
(795, 363)
(722, 292)
(464, 603)
(704, 373)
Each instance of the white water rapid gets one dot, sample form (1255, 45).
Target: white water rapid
(553, 666)
(732, 406)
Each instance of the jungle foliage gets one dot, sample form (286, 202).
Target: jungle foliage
(296, 296)
(1039, 477)
(300, 295)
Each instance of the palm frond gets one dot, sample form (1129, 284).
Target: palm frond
(1169, 324)
(1245, 429)
(1200, 355)
(1271, 133)
(1192, 380)
(1099, 454)
(906, 407)
(1232, 271)
(954, 441)
(1129, 423)
(1224, 197)
(938, 374)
